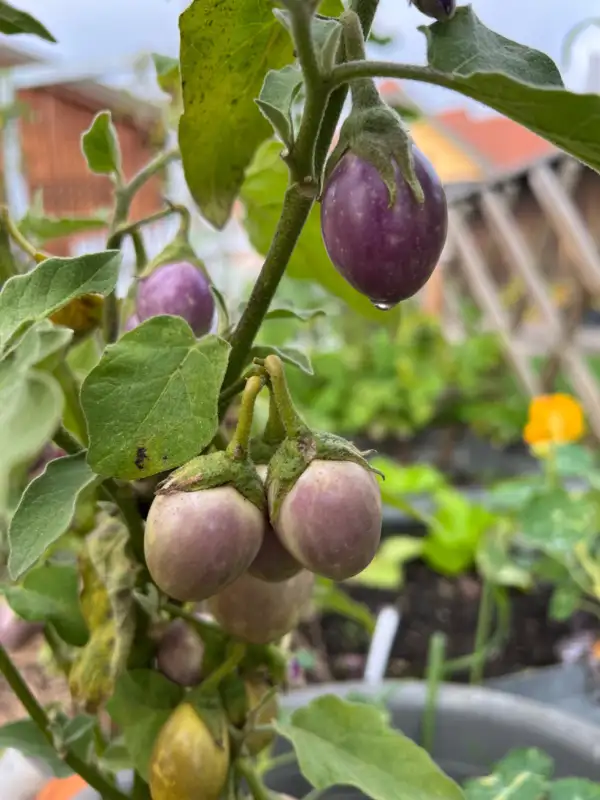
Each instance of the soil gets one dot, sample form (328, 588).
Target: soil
(430, 603)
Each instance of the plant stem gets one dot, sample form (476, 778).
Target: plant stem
(364, 92)
(173, 208)
(238, 446)
(298, 201)
(257, 789)
(8, 264)
(366, 10)
(295, 211)
(433, 676)
(355, 70)
(39, 716)
(124, 195)
(236, 654)
(70, 387)
(205, 630)
(288, 415)
(482, 633)
(141, 257)
(19, 239)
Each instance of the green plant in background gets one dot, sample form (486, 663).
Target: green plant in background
(149, 509)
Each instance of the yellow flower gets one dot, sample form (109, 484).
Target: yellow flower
(554, 419)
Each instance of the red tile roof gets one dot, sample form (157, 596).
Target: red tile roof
(502, 142)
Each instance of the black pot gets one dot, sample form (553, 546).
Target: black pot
(475, 728)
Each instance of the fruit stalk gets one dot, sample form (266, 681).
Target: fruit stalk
(256, 786)
(364, 92)
(238, 446)
(288, 415)
(297, 205)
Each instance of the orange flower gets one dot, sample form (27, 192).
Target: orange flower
(553, 419)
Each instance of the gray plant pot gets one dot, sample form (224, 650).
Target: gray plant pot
(475, 728)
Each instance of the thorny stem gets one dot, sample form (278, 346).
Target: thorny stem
(433, 676)
(319, 121)
(238, 446)
(39, 716)
(124, 194)
(257, 789)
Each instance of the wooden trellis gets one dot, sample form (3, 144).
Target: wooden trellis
(537, 229)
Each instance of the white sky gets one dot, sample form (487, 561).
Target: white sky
(98, 29)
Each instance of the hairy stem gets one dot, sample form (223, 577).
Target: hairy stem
(238, 446)
(364, 92)
(290, 419)
(298, 201)
(355, 70)
(365, 9)
(124, 194)
(39, 716)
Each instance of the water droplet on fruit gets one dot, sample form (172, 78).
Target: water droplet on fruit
(384, 306)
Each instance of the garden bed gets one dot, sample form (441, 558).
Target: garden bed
(430, 602)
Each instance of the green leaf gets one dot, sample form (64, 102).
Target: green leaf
(45, 228)
(31, 401)
(522, 775)
(167, 72)
(556, 521)
(46, 510)
(533, 98)
(340, 743)
(100, 145)
(329, 597)
(456, 530)
(26, 737)
(142, 703)
(291, 313)
(262, 194)
(574, 789)
(51, 285)
(14, 21)
(164, 383)
(276, 97)
(465, 46)
(574, 461)
(564, 602)
(386, 570)
(494, 561)
(290, 355)
(51, 594)
(413, 479)
(226, 48)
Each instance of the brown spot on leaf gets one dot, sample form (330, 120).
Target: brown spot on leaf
(141, 457)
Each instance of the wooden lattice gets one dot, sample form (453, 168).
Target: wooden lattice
(511, 243)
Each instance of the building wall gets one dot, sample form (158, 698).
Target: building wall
(450, 162)
(51, 132)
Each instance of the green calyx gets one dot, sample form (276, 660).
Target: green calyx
(296, 454)
(217, 469)
(301, 446)
(373, 131)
